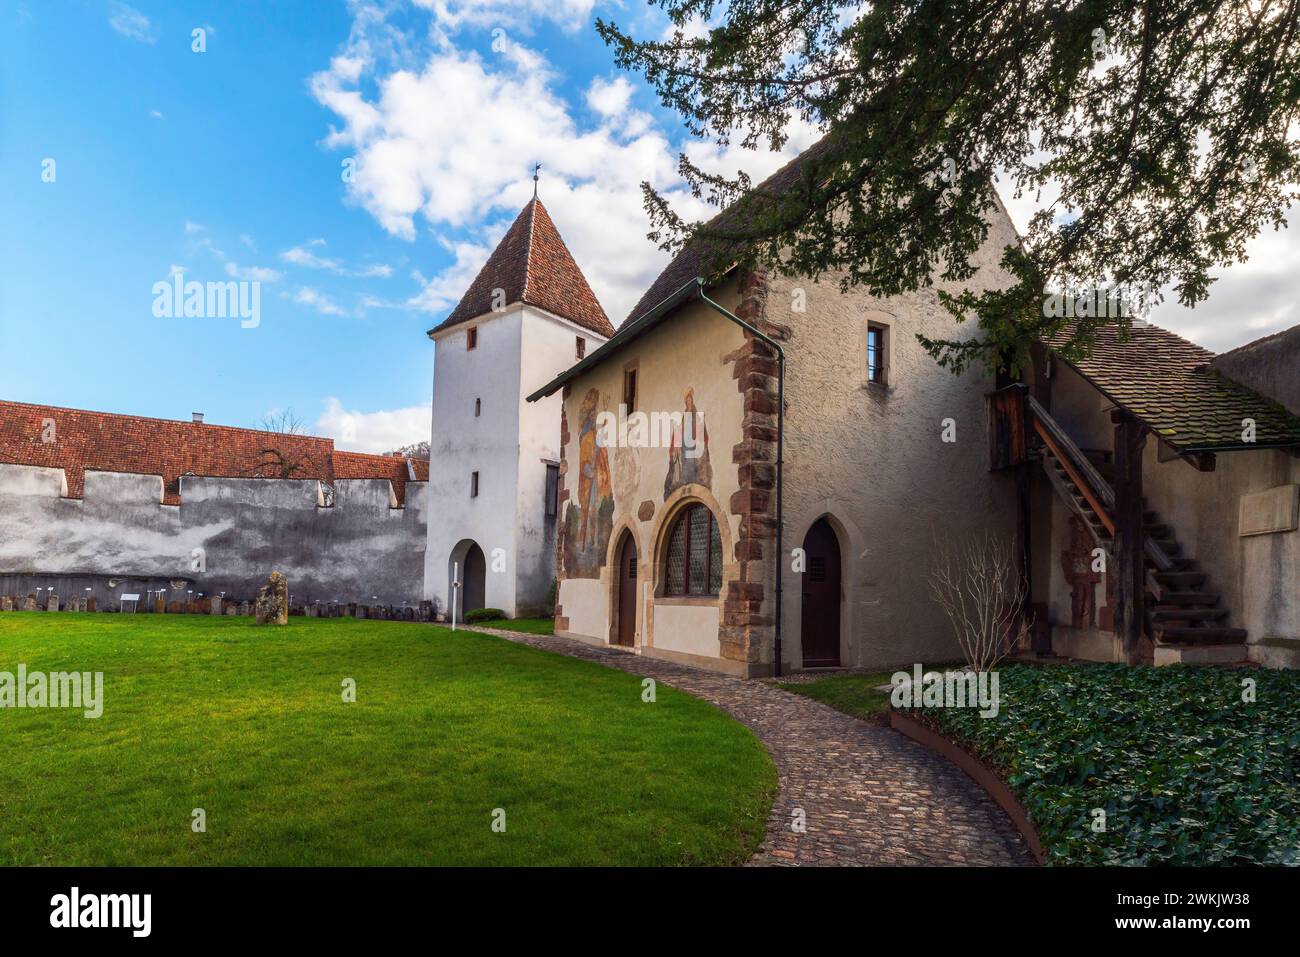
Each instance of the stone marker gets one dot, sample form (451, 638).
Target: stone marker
(272, 606)
(91, 603)
(52, 602)
(29, 603)
(426, 611)
(6, 603)
(232, 609)
(216, 602)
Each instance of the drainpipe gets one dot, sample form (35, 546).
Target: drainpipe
(780, 442)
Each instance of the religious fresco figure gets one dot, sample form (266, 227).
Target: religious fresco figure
(688, 452)
(590, 519)
(593, 470)
(1076, 567)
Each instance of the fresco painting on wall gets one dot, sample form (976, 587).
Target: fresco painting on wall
(688, 455)
(1076, 566)
(589, 520)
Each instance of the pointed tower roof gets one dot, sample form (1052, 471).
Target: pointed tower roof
(532, 265)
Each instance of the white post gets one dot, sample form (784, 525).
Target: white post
(455, 590)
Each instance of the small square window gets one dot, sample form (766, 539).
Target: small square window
(471, 338)
(473, 485)
(582, 347)
(877, 353)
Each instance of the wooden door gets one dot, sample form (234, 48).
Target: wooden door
(820, 625)
(474, 580)
(627, 592)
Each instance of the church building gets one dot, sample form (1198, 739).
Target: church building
(755, 475)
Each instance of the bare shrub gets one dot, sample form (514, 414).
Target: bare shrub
(976, 582)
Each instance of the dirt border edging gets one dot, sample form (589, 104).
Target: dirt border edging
(980, 772)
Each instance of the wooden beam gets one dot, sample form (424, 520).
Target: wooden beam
(1130, 578)
(1084, 488)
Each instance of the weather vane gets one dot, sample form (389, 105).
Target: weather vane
(537, 168)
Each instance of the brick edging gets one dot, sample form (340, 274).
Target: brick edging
(980, 772)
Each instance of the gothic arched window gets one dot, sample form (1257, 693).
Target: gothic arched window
(693, 565)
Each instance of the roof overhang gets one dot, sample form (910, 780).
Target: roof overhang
(628, 333)
(1179, 449)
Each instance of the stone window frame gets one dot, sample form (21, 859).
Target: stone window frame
(664, 521)
(471, 338)
(685, 515)
(883, 321)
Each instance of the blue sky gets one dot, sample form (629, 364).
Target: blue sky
(227, 164)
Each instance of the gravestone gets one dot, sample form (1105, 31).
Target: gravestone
(91, 603)
(216, 603)
(272, 606)
(52, 603)
(29, 603)
(159, 605)
(245, 609)
(6, 603)
(426, 611)
(232, 608)
(363, 612)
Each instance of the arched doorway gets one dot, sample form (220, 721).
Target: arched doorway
(467, 565)
(820, 619)
(625, 593)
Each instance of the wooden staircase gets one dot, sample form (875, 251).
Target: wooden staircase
(1180, 610)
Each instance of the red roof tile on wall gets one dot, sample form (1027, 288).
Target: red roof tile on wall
(100, 441)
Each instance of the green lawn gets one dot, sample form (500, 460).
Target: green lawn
(532, 626)
(853, 694)
(249, 724)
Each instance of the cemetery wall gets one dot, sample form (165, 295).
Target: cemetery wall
(226, 535)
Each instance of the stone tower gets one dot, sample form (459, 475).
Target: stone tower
(493, 470)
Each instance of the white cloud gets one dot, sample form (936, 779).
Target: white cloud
(301, 256)
(570, 14)
(445, 289)
(467, 163)
(175, 270)
(131, 23)
(610, 97)
(193, 227)
(252, 273)
(155, 114)
(1247, 301)
(307, 296)
(375, 432)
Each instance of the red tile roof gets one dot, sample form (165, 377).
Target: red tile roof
(104, 442)
(532, 265)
